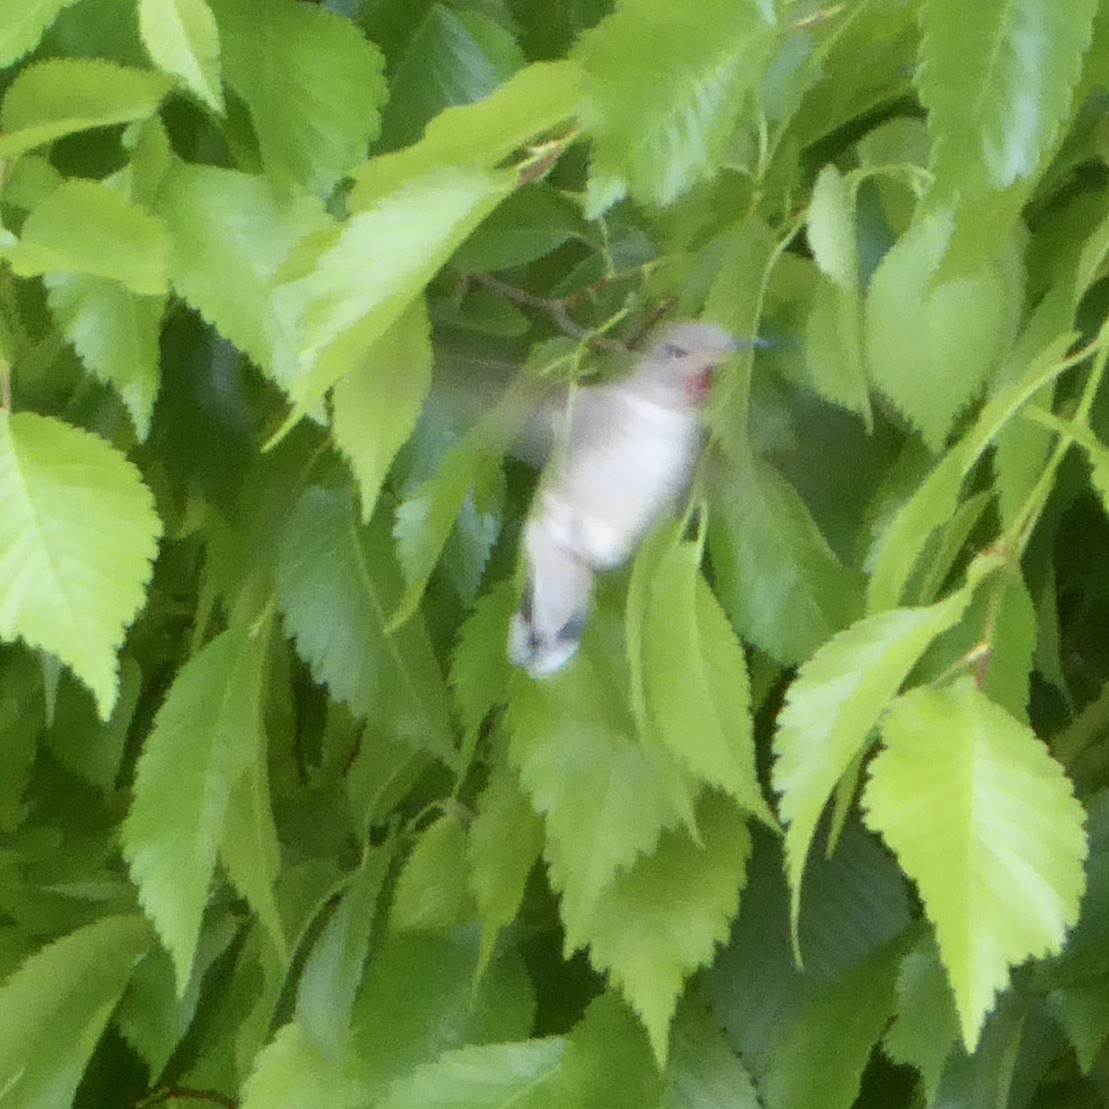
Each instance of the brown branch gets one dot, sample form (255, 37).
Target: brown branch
(555, 307)
(651, 320)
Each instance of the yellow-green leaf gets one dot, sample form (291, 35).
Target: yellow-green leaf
(183, 40)
(78, 534)
(203, 740)
(833, 704)
(85, 227)
(985, 822)
(63, 95)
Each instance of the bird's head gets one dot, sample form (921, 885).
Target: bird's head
(681, 361)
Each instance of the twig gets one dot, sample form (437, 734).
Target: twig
(5, 386)
(179, 1093)
(555, 307)
(817, 17)
(651, 320)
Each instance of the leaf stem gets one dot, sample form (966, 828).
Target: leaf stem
(1022, 528)
(543, 157)
(817, 17)
(743, 397)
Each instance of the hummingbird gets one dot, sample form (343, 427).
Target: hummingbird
(627, 453)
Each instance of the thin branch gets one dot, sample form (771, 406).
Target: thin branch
(180, 1093)
(555, 307)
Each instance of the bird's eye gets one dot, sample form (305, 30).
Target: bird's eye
(673, 351)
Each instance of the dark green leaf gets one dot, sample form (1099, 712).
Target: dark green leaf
(778, 580)
(312, 83)
(337, 584)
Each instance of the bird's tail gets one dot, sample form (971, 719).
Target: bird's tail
(546, 632)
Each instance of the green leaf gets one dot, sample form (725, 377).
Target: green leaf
(509, 1076)
(696, 683)
(985, 822)
(455, 56)
(855, 903)
(151, 1017)
(498, 1076)
(1098, 455)
(996, 79)
(183, 40)
(374, 407)
(231, 235)
(832, 705)
(1016, 1033)
(434, 509)
(778, 580)
(312, 83)
(85, 227)
(115, 332)
(432, 891)
(505, 840)
(294, 1072)
(1083, 1011)
(21, 724)
(376, 265)
(531, 223)
(811, 1067)
(662, 917)
(204, 737)
(333, 969)
(1087, 953)
(54, 1007)
(535, 99)
(480, 670)
(833, 348)
(31, 178)
(336, 584)
(78, 534)
(77, 738)
(605, 798)
(23, 27)
(834, 336)
(741, 257)
(831, 228)
(1009, 673)
(837, 88)
(608, 1060)
(902, 541)
(662, 96)
(926, 1026)
(151, 158)
(419, 999)
(931, 347)
(249, 849)
(704, 1072)
(64, 95)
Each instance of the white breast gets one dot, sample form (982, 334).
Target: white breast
(627, 461)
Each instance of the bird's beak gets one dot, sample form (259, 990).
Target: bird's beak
(756, 343)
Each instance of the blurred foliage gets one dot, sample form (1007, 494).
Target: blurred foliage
(818, 816)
